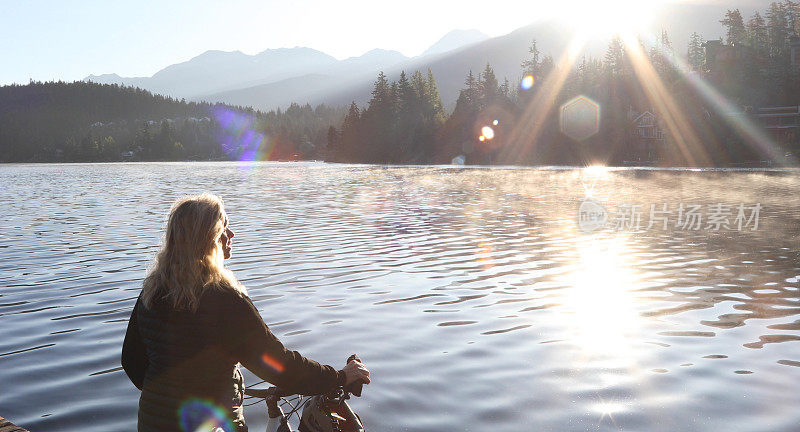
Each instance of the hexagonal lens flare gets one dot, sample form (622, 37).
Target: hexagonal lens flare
(580, 118)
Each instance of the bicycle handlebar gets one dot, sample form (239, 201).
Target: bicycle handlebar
(356, 386)
(264, 393)
(353, 388)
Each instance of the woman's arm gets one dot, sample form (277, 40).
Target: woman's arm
(251, 343)
(134, 357)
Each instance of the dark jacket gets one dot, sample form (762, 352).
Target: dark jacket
(186, 363)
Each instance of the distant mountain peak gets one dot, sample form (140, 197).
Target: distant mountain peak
(378, 52)
(101, 77)
(297, 50)
(110, 78)
(456, 39)
(377, 57)
(218, 54)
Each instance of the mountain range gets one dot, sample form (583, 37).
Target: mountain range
(277, 77)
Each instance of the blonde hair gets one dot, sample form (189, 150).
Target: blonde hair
(191, 259)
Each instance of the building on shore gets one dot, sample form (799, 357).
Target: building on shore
(647, 138)
(782, 124)
(724, 66)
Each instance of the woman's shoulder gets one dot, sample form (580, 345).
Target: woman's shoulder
(231, 309)
(225, 299)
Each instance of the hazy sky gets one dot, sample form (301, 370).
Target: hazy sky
(69, 39)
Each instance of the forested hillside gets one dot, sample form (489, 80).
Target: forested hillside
(81, 121)
(726, 104)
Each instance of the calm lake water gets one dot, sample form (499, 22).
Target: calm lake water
(472, 294)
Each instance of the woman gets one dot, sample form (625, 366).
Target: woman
(194, 323)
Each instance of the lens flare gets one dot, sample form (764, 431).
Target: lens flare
(273, 363)
(527, 82)
(202, 415)
(459, 160)
(580, 118)
(603, 18)
(496, 122)
(525, 136)
(487, 132)
(239, 137)
(755, 136)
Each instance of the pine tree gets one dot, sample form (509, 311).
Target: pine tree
(505, 88)
(351, 136)
(734, 25)
(695, 54)
(378, 134)
(405, 94)
(547, 66)
(757, 35)
(333, 138)
(352, 117)
(394, 97)
(531, 66)
(434, 99)
(405, 121)
(777, 29)
(472, 92)
(664, 58)
(615, 57)
(792, 10)
(381, 93)
(489, 89)
(420, 86)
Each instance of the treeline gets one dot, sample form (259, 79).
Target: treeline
(525, 121)
(760, 72)
(88, 122)
(398, 126)
(750, 68)
(705, 107)
(405, 123)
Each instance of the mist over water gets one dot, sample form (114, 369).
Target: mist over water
(471, 293)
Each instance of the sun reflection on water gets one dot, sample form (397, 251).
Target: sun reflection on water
(599, 302)
(600, 315)
(608, 409)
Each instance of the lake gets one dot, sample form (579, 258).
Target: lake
(478, 297)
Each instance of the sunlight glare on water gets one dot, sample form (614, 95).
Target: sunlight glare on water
(599, 302)
(472, 293)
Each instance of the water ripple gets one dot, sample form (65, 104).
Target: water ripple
(470, 286)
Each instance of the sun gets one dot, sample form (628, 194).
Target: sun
(592, 18)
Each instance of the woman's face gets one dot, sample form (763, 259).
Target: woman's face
(225, 240)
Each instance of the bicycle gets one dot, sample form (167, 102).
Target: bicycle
(321, 413)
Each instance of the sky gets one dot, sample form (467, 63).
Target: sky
(70, 39)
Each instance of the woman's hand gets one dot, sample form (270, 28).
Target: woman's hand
(355, 370)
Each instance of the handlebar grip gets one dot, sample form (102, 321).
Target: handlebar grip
(354, 387)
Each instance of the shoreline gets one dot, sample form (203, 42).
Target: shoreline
(446, 166)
